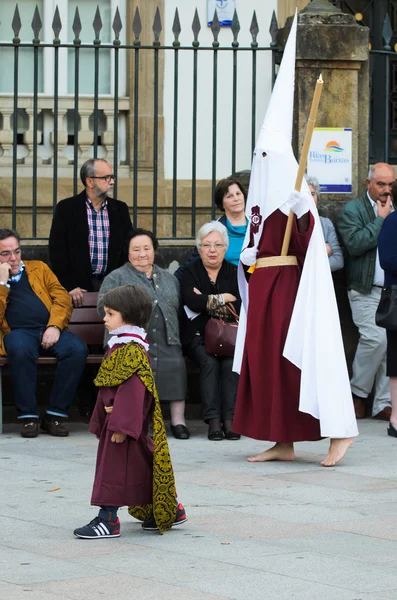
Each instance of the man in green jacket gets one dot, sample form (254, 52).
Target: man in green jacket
(359, 224)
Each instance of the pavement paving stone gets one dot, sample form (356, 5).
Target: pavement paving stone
(267, 531)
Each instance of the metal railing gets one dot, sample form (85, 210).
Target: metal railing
(87, 143)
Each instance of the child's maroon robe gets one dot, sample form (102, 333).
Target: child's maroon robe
(267, 405)
(124, 472)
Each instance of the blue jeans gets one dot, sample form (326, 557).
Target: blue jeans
(23, 348)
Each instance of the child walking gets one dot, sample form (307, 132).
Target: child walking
(131, 469)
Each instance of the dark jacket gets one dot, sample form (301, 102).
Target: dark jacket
(196, 276)
(68, 243)
(359, 230)
(387, 244)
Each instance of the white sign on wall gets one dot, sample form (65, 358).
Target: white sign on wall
(225, 10)
(330, 159)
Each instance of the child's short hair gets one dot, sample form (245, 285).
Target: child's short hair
(134, 304)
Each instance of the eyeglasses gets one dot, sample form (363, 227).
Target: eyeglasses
(217, 246)
(106, 178)
(9, 253)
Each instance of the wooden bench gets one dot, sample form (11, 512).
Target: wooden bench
(86, 324)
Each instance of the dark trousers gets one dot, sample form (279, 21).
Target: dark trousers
(218, 383)
(23, 348)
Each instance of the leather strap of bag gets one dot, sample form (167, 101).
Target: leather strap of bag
(231, 309)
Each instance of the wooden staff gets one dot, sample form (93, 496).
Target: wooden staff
(303, 160)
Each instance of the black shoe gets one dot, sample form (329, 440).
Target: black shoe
(57, 426)
(150, 524)
(230, 435)
(215, 436)
(392, 431)
(180, 432)
(30, 428)
(227, 430)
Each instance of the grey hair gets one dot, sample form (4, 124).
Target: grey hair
(88, 169)
(371, 172)
(310, 180)
(208, 228)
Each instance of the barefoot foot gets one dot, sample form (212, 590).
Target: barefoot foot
(277, 452)
(337, 450)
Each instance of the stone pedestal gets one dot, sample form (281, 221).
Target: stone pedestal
(334, 45)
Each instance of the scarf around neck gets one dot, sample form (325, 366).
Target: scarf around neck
(128, 333)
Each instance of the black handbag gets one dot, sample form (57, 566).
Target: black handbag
(386, 314)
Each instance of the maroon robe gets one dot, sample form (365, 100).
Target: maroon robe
(124, 472)
(267, 405)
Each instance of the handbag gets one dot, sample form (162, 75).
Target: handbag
(220, 336)
(386, 314)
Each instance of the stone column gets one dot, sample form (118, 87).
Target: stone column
(62, 138)
(147, 12)
(333, 44)
(29, 139)
(6, 137)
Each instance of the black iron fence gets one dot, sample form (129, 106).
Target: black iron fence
(36, 144)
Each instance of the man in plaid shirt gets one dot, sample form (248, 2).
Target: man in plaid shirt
(88, 233)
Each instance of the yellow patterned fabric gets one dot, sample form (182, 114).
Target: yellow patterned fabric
(126, 361)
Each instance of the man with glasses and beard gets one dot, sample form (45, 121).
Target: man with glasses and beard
(359, 224)
(88, 233)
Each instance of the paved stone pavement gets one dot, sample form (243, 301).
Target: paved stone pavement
(275, 531)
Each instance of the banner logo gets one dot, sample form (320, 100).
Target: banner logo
(333, 147)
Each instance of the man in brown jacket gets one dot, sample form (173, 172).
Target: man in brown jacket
(34, 313)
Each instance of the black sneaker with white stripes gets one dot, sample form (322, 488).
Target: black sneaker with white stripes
(98, 528)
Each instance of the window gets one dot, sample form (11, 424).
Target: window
(67, 8)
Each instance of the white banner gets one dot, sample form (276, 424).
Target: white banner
(225, 10)
(330, 159)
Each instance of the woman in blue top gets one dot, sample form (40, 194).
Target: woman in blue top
(230, 198)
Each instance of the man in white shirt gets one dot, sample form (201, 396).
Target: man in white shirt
(359, 224)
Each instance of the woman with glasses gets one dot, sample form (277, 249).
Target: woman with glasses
(207, 285)
(165, 349)
(230, 197)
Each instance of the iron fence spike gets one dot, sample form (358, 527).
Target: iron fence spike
(254, 28)
(117, 24)
(56, 23)
(97, 23)
(76, 24)
(136, 24)
(16, 22)
(157, 27)
(215, 27)
(196, 25)
(273, 29)
(176, 27)
(235, 26)
(36, 25)
(387, 32)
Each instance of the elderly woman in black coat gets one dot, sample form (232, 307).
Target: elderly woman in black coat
(207, 285)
